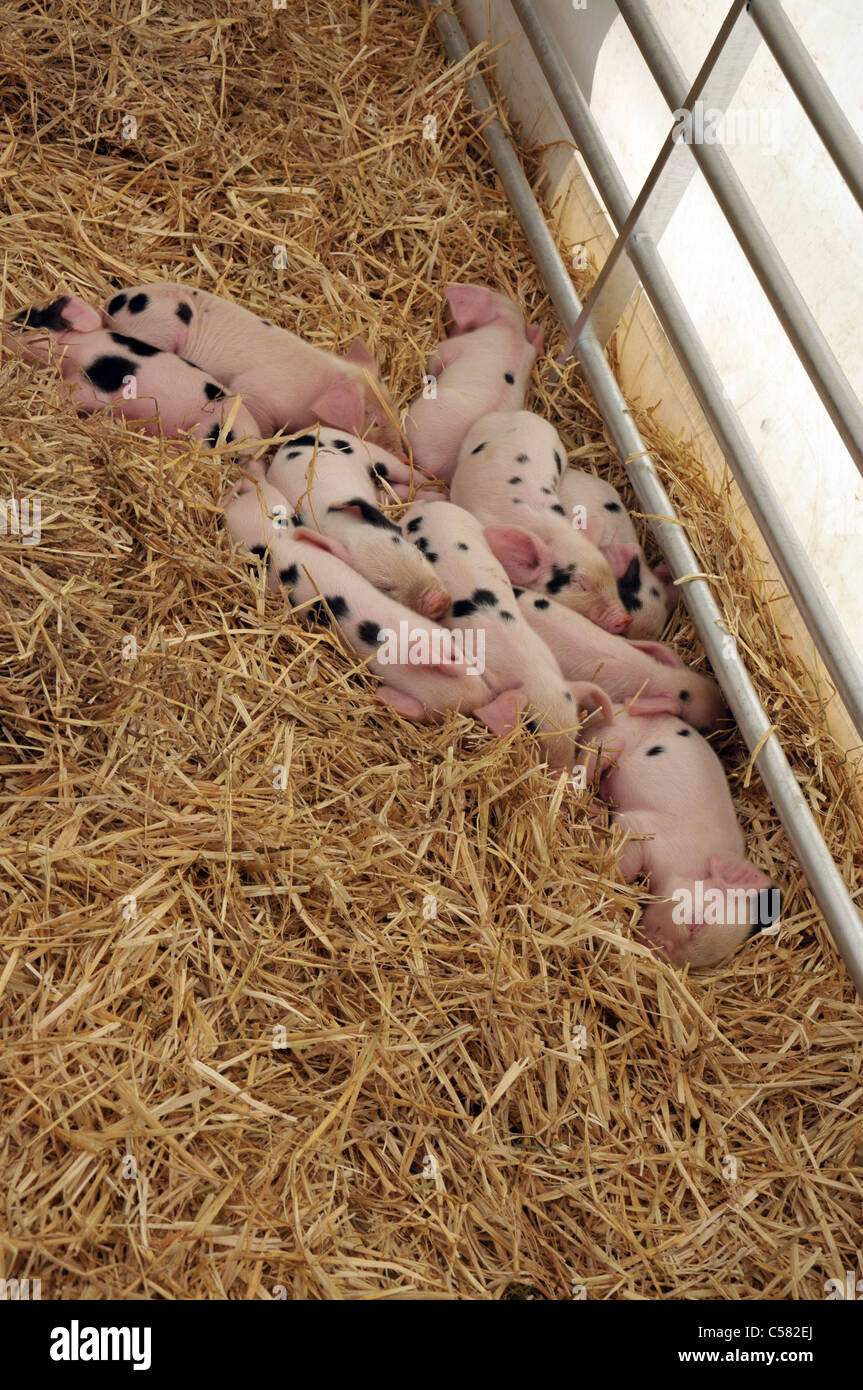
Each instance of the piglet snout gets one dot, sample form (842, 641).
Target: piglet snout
(617, 620)
(433, 602)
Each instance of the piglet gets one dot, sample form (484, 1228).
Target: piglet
(652, 671)
(665, 781)
(507, 475)
(287, 383)
(596, 507)
(330, 482)
(484, 613)
(422, 672)
(484, 365)
(106, 370)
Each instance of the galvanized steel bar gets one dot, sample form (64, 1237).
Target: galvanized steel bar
(826, 115)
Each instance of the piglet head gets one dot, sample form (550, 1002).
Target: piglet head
(162, 315)
(643, 593)
(702, 921)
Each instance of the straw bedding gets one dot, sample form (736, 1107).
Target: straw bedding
(383, 1031)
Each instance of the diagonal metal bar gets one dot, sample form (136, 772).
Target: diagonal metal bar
(829, 120)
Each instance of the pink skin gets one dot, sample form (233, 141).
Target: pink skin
(665, 781)
(649, 670)
(507, 477)
(305, 565)
(489, 342)
(287, 383)
(153, 388)
(648, 594)
(516, 658)
(329, 481)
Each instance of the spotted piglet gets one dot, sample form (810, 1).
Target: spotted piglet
(484, 365)
(287, 383)
(507, 475)
(330, 483)
(106, 370)
(625, 669)
(515, 658)
(666, 783)
(594, 505)
(423, 674)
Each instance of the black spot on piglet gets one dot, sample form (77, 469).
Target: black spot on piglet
(212, 391)
(369, 633)
(184, 312)
(657, 748)
(415, 524)
(138, 303)
(289, 575)
(347, 448)
(509, 378)
(212, 435)
(107, 372)
(259, 550)
(613, 507)
(49, 317)
(136, 345)
(304, 441)
(685, 695)
(479, 448)
(116, 304)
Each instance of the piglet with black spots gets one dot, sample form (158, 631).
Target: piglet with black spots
(625, 669)
(287, 383)
(596, 507)
(331, 484)
(106, 370)
(518, 667)
(423, 672)
(484, 365)
(507, 475)
(665, 782)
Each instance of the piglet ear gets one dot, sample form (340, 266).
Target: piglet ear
(737, 873)
(342, 405)
(620, 557)
(360, 352)
(81, 318)
(501, 715)
(536, 338)
(654, 704)
(526, 559)
(305, 536)
(666, 579)
(471, 306)
(660, 652)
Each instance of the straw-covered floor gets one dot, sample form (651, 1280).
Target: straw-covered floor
(382, 1031)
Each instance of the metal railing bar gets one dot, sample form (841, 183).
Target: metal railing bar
(822, 368)
(825, 114)
(827, 886)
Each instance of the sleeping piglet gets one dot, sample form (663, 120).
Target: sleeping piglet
(484, 365)
(330, 483)
(654, 672)
(110, 371)
(287, 383)
(507, 474)
(594, 505)
(665, 781)
(422, 672)
(485, 613)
